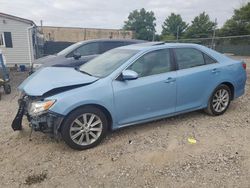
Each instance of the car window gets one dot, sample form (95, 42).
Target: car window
(87, 49)
(188, 57)
(110, 45)
(155, 62)
(208, 60)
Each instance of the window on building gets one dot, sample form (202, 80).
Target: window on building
(2, 39)
(6, 40)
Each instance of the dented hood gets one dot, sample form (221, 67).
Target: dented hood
(52, 78)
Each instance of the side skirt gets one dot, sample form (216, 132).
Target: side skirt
(158, 118)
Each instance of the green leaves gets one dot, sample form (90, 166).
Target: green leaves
(172, 25)
(239, 24)
(201, 27)
(143, 23)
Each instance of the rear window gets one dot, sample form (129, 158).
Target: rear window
(208, 60)
(188, 58)
(110, 45)
(92, 48)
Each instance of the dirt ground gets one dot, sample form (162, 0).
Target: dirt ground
(156, 154)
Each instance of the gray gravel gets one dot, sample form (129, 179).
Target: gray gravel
(155, 154)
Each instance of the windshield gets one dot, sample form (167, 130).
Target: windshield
(106, 63)
(69, 49)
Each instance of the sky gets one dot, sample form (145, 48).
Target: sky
(113, 13)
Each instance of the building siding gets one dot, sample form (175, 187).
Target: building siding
(21, 53)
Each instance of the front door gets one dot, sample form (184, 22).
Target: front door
(152, 95)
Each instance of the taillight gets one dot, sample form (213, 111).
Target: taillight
(244, 65)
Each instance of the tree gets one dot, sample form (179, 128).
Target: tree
(239, 24)
(172, 25)
(143, 23)
(201, 26)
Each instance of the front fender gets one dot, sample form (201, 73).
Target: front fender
(95, 94)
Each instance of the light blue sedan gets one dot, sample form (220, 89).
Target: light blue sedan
(126, 86)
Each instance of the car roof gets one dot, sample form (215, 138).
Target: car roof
(142, 47)
(155, 45)
(112, 40)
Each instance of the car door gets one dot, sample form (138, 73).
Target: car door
(87, 51)
(197, 76)
(152, 94)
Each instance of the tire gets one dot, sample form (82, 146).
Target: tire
(219, 101)
(7, 89)
(78, 129)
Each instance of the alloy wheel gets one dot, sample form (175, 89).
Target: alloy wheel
(86, 129)
(220, 100)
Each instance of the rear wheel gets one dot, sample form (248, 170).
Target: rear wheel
(84, 128)
(219, 101)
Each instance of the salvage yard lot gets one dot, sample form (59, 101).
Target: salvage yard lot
(155, 154)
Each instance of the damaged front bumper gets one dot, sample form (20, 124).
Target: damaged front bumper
(47, 122)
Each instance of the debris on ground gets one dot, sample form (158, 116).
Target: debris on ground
(35, 178)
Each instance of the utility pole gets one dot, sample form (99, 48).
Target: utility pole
(41, 22)
(177, 34)
(213, 38)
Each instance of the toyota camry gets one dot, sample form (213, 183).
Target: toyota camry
(127, 86)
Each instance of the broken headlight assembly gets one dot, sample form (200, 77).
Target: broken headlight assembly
(40, 107)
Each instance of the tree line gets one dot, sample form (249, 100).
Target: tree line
(143, 23)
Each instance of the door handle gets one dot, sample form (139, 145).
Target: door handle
(170, 80)
(215, 71)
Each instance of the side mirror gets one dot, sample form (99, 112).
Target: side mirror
(129, 75)
(76, 55)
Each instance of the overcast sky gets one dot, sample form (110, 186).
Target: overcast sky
(113, 13)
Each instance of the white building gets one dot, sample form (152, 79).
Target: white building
(18, 39)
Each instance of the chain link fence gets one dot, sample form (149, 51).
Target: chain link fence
(235, 45)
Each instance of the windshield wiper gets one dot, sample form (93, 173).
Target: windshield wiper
(85, 72)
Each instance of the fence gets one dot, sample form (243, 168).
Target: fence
(52, 47)
(236, 45)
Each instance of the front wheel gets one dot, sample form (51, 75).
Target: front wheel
(219, 101)
(84, 128)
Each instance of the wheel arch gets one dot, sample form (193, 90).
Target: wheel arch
(100, 107)
(231, 87)
(227, 83)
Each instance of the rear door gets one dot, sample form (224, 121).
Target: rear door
(152, 95)
(197, 75)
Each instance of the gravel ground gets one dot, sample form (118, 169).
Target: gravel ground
(155, 154)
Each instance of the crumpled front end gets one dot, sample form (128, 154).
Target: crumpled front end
(40, 120)
(37, 97)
